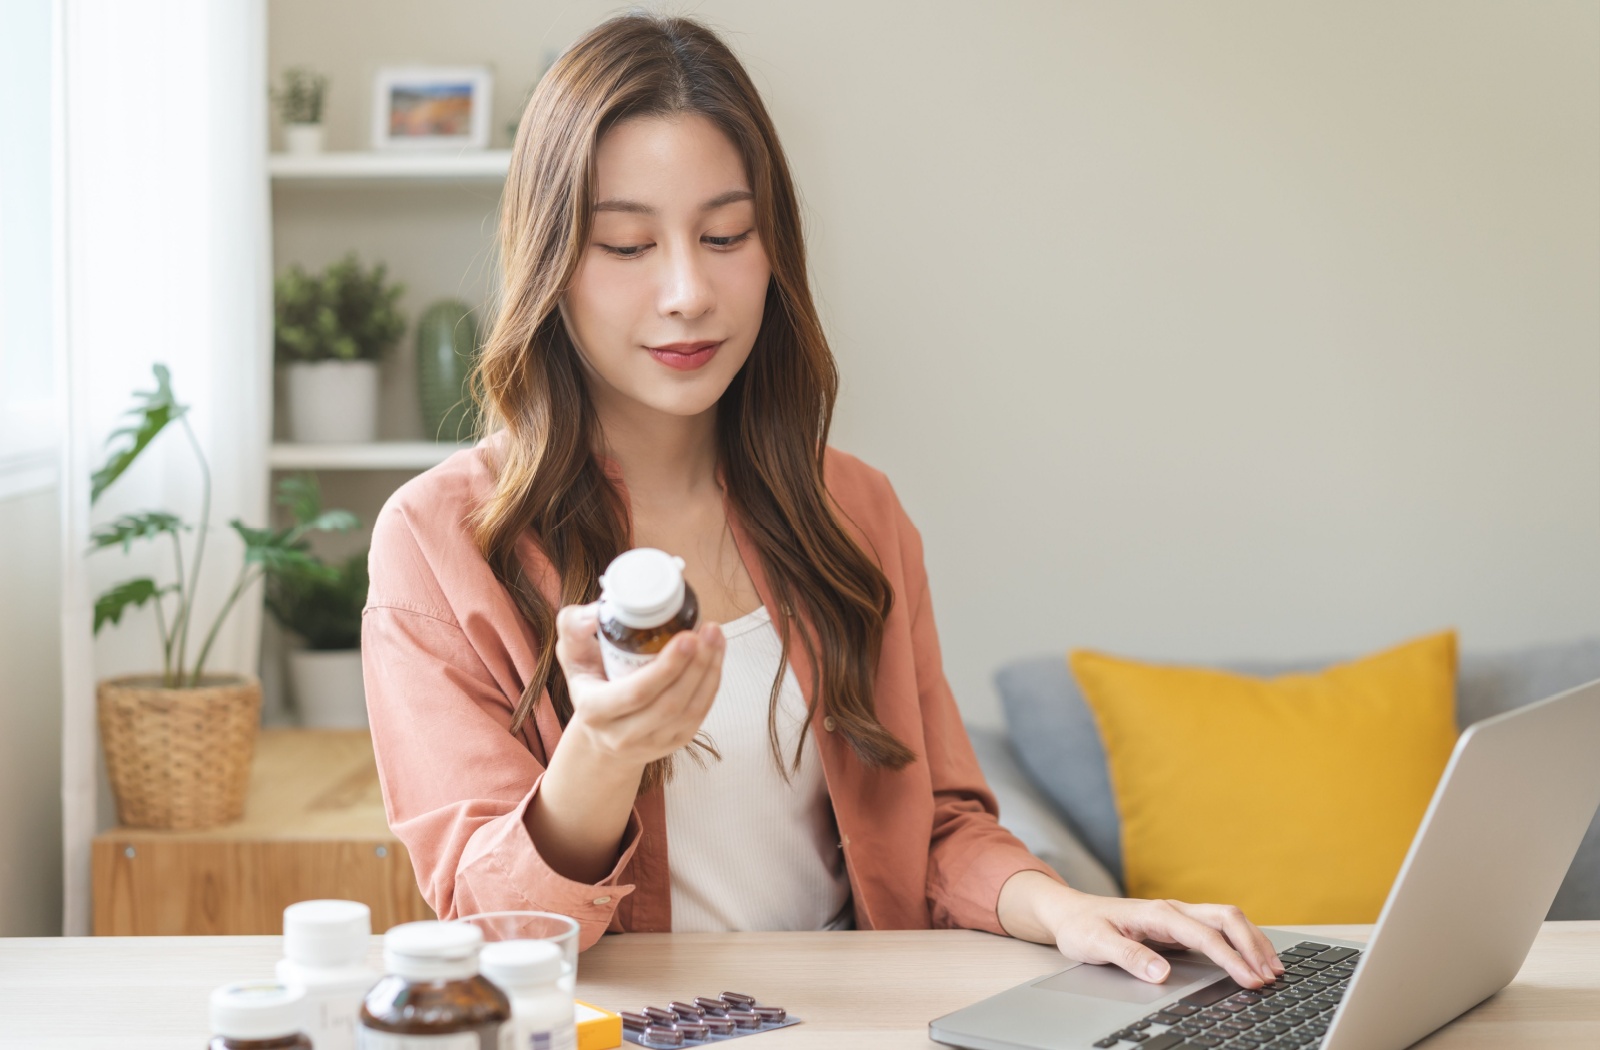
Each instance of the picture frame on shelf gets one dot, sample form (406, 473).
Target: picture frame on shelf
(431, 108)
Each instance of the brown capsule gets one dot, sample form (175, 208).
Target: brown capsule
(660, 1016)
(739, 997)
(660, 1036)
(745, 1018)
(711, 1006)
(637, 1022)
(693, 1029)
(719, 1025)
(687, 1011)
(770, 1014)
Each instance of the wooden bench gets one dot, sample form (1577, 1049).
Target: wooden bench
(313, 827)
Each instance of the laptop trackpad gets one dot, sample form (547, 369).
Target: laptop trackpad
(1113, 982)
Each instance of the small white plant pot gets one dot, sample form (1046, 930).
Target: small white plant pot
(333, 402)
(327, 688)
(302, 139)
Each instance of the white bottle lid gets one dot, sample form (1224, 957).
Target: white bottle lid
(326, 934)
(643, 587)
(522, 964)
(257, 1010)
(432, 950)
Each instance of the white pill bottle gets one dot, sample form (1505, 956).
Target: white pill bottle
(325, 947)
(541, 1012)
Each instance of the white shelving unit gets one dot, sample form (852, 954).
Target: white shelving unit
(369, 168)
(379, 455)
(430, 218)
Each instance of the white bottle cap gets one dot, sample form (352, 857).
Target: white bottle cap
(432, 951)
(643, 587)
(326, 934)
(522, 964)
(257, 1010)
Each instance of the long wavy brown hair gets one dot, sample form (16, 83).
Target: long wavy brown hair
(772, 422)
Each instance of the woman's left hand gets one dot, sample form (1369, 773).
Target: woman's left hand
(1125, 931)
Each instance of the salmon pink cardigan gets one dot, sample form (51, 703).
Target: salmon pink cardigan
(445, 655)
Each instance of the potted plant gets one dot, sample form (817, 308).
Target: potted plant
(330, 330)
(320, 605)
(178, 744)
(300, 107)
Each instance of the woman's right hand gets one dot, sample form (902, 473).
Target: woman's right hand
(654, 711)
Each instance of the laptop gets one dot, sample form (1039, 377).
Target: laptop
(1497, 839)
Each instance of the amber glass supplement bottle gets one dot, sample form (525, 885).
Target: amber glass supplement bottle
(644, 602)
(433, 997)
(257, 1015)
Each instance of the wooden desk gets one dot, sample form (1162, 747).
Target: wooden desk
(876, 990)
(313, 827)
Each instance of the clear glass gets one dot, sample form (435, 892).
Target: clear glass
(559, 930)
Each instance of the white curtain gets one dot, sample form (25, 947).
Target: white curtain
(167, 259)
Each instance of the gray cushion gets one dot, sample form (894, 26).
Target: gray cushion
(1056, 740)
(1033, 818)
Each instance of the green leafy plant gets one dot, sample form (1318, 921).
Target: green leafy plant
(301, 97)
(266, 550)
(345, 313)
(320, 603)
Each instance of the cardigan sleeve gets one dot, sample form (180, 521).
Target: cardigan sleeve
(456, 783)
(970, 856)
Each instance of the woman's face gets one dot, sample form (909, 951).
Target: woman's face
(667, 301)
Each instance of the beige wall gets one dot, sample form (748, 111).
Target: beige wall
(1193, 331)
(30, 716)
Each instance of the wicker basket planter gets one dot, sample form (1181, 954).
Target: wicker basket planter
(179, 758)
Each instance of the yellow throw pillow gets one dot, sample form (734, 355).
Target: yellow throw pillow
(1294, 798)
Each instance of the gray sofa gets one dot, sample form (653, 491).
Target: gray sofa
(1048, 770)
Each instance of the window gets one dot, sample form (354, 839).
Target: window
(29, 427)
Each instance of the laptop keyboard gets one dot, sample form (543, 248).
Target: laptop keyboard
(1290, 1014)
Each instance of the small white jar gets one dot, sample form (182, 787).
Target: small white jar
(258, 1014)
(325, 951)
(541, 1011)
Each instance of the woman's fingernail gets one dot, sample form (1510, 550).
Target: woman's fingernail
(1156, 970)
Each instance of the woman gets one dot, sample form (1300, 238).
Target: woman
(657, 376)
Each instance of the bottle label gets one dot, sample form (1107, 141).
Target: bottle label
(620, 663)
(371, 1039)
(331, 1018)
(563, 1038)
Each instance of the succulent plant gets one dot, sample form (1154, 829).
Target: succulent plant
(300, 100)
(345, 313)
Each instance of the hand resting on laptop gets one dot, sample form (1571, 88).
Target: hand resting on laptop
(1126, 932)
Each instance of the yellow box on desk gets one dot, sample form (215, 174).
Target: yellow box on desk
(597, 1029)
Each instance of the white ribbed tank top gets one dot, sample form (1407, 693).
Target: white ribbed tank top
(747, 850)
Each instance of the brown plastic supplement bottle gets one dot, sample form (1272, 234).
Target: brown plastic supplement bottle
(644, 602)
(257, 1015)
(433, 997)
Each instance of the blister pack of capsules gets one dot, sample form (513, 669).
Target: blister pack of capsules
(703, 1020)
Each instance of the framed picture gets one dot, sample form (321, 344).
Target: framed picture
(431, 107)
